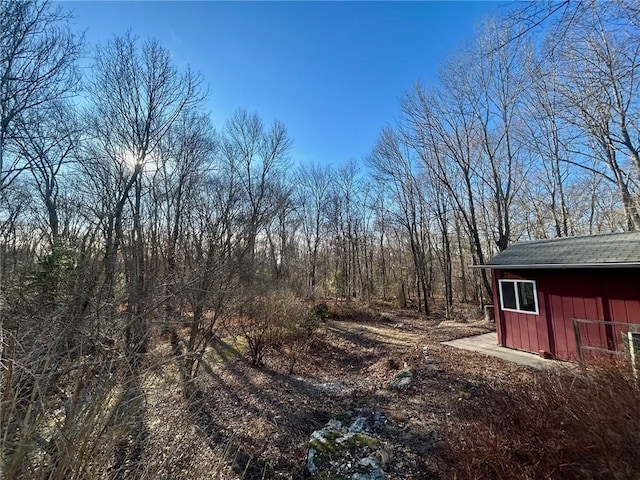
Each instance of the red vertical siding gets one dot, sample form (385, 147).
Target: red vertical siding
(595, 333)
(542, 330)
(523, 331)
(622, 301)
(591, 294)
(556, 311)
(562, 325)
(532, 332)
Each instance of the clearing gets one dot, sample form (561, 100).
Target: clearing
(245, 422)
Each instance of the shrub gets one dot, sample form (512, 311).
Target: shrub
(320, 312)
(267, 320)
(297, 336)
(279, 322)
(58, 416)
(561, 426)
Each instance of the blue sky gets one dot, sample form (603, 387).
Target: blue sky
(332, 72)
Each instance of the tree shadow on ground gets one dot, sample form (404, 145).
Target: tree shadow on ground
(346, 358)
(360, 337)
(130, 450)
(253, 414)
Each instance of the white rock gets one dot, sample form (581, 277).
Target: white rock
(358, 425)
(372, 470)
(320, 436)
(311, 466)
(402, 379)
(334, 424)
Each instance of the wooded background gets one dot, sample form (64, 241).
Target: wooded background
(123, 211)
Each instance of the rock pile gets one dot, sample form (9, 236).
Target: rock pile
(343, 449)
(402, 379)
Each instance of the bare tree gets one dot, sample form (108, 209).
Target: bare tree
(281, 238)
(183, 164)
(212, 242)
(136, 96)
(440, 129)
(346, 215)
(48, 139)
(259, 158)
(37, 65)
(382, 218)
(549, 140)
(599, 69)
(395, 164)
(494, 84)
(442, 208)
(312, 194)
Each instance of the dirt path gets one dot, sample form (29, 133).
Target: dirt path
(397, 336)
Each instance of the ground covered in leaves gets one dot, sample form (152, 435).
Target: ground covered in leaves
(247, 422)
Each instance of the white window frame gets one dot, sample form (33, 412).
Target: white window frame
(517, 309)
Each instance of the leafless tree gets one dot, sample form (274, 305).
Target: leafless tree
(214, 255)
(281, 241)
(136, 96)
(259, 160)
(48, 139)
(395, 164)
(549, 140)
(182, 165)
(312, 194)
(37, 66)
(599, 67)
(444, 134)
(494, 86)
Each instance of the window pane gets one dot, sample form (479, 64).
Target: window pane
(526, 297)
(508, 295)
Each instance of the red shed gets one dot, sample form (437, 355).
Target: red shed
(540, 287)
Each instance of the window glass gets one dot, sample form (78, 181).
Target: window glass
(508, 295)
(526, 296)
(518, 296)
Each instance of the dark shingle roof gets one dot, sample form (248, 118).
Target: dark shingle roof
(617, 249)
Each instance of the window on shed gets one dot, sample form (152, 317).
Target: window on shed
(519, 296)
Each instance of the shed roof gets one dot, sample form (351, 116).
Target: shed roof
(617, 250)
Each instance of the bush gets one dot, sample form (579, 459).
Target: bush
(58, 416)
(279, 322)
(561, 426)
(264, 322)
(297, 336)
(320, 312)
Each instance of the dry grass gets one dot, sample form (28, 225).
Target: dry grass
(464, 416)
(557, 426)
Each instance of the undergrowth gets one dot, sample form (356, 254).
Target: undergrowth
(560, 426)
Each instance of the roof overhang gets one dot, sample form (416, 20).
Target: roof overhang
(557, 266)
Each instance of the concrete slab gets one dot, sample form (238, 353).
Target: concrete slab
(487, 344)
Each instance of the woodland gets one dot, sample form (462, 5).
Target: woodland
(133, 234)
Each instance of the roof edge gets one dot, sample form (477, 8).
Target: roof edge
(557, 266)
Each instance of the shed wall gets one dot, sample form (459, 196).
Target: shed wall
(605, 295)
